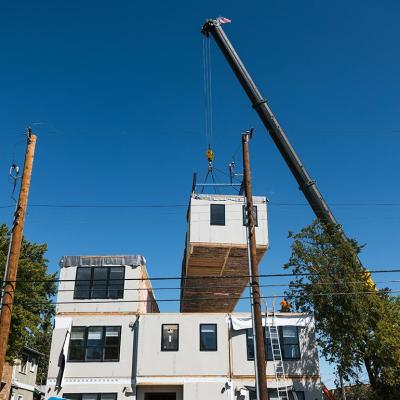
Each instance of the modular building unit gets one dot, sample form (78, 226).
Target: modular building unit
(216, 246)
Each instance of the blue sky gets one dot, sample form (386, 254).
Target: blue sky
(114, 92)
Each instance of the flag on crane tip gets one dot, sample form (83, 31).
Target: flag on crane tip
(223, 20)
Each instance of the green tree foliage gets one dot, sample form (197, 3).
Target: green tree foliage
(31, 322)
(356, 330)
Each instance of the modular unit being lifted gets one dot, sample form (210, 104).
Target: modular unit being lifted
(216, 246)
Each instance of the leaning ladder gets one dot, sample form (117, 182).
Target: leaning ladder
(279, 370)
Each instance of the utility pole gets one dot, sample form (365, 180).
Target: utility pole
(15, 249)
(258, 333)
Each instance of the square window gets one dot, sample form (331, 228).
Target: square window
(208, 337)
(169, 337)
(217, 214)
(99, 283)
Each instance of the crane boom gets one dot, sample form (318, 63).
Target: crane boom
(306, 184)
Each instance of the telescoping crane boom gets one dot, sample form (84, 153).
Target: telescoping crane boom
(306, 184)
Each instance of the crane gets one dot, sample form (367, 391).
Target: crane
(212, 27)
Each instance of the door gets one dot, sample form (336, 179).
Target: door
(160, 396)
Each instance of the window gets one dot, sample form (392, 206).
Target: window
(24, 362)
(217, 214)
(90, 396)
(32, 361)
(99, 283)
(290, 346)
(245, 215)
(169, 337)
(208, 337)
(250, 346)
(95, 343)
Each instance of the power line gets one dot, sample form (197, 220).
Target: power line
(201, 288)
(180, 278)
(270, 203)
(213, 299)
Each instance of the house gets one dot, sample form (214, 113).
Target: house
(111, 343)
(19, 378)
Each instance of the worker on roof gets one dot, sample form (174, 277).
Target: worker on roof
(285, 305)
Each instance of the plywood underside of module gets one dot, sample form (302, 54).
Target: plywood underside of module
(201, 294)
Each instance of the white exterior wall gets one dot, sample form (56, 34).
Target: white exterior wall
(200, 230)
(90, 377)
(190, 373)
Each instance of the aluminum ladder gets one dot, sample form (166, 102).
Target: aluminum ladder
(279, 370)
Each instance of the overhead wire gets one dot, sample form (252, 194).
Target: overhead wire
(213, 299)
(180, 278)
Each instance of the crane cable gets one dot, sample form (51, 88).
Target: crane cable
(208, 108)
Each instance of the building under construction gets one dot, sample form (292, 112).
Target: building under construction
(216, 246)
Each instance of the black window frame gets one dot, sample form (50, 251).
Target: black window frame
(215, 348)
(162, 337)
(91, 286)
(244, 215)
(212, 214)
(103, 345)
(282, 342)
(78, 396)
(250, 348)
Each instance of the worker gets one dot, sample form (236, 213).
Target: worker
(285, 305)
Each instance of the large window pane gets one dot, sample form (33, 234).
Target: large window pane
(116, 283)
(250, 344)
(89, 396)
(208, 337)
(108, 396)
(217, 214)
(77, 344)
(82, 283)
(99, 284)
(112, 343)
(290, 342)
(94, 345)
(170, 337)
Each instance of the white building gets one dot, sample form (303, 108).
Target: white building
(110, 342)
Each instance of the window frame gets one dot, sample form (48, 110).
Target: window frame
(79, 395)
(216, 337)
(255, 212)
(91, 280)
(102, 344)
(162, 337)
(23, 368)
(282, 342)
(211, 214)
(267, 357)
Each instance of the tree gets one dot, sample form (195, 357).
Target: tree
(31, 323)
(357, 325)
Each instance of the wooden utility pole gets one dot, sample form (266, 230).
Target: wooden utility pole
(258, 332)
(15, 249)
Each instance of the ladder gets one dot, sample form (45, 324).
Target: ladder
(279, 370)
